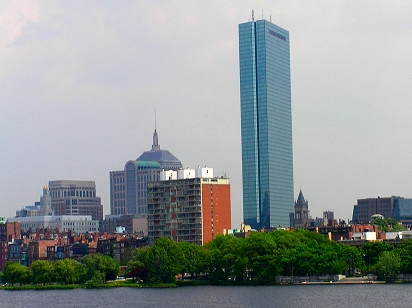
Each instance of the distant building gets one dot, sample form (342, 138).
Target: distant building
(9, 232)
(402, 211)
(329, 218)
(133, 224)
(128, 186)
(301, 217)
(75, 198)
(395, 207)
(42, 208)
(188, 206)
(76, 223)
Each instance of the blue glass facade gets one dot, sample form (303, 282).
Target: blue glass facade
(266, 124)
(402, 210)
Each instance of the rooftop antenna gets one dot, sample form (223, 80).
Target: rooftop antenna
(270, 17)
(253, 15)
(155, 145)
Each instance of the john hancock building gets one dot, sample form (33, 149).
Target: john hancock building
(266, 124)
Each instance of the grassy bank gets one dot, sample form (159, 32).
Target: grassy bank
(110, 284)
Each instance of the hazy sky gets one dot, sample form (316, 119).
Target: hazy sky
(79, 82)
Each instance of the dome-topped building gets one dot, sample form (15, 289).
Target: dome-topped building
(165, 159)
(128, 187)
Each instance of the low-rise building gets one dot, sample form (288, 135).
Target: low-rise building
(76, 224)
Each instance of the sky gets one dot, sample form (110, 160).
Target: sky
(80, 82)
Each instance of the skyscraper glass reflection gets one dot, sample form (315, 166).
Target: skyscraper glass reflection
(266, 124)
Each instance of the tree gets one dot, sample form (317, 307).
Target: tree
(16, 273)
(191, 260)
(143, 254)
(164, 261)
(262, 257)
(103, 264)
(352, 258)
(224, 251)
(43, 271)
(388, 266)
(404, 251)
(69, 271)
(371, 251)
(136, 270)
(387, 225)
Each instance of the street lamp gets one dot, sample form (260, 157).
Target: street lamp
(363, 264)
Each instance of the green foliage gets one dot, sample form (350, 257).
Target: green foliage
(69, 271)
(16, 273)
(263, 259)
(105, 265)
(192, 257)
(224, 252)
(43, 271)
(387, 225)
(225, 260)
(164, 261)
(371, 251)
(388, 266)
(143, 254)
(96, 280)
(136, 270)
(404, 251)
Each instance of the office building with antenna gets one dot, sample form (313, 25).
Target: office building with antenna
(266, 124)
(128, 186)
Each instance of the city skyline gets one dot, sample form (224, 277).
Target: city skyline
(79, 84)
(266, 124)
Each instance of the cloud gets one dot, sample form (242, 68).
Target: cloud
(14, 16)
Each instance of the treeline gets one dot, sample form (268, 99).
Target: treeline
(93, 270)
(263, 256)
(258, 259)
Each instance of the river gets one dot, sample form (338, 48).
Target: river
(368, 295)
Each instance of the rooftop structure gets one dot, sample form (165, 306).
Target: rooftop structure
(128, 187)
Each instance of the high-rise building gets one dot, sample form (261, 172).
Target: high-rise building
(266, 124)
(75, 198)
(128, 186)
(188, 206)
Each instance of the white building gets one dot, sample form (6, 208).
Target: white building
(77, 224)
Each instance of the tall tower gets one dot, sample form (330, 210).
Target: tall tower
(301, 212)
(45, 203)
(266, 124)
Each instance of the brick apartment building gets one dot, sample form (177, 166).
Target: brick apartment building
(188, 206)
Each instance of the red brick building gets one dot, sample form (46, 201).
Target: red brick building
(9, 231)
(188, 206)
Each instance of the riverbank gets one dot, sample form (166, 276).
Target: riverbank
(107, 285)
(132, 284)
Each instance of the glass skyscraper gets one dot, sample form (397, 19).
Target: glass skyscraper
(266, 124)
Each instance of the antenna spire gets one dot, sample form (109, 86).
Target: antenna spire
(155, 145)
(253, 15)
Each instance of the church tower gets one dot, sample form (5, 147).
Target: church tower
(301, 212)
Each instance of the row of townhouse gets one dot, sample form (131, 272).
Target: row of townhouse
(28, 246)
